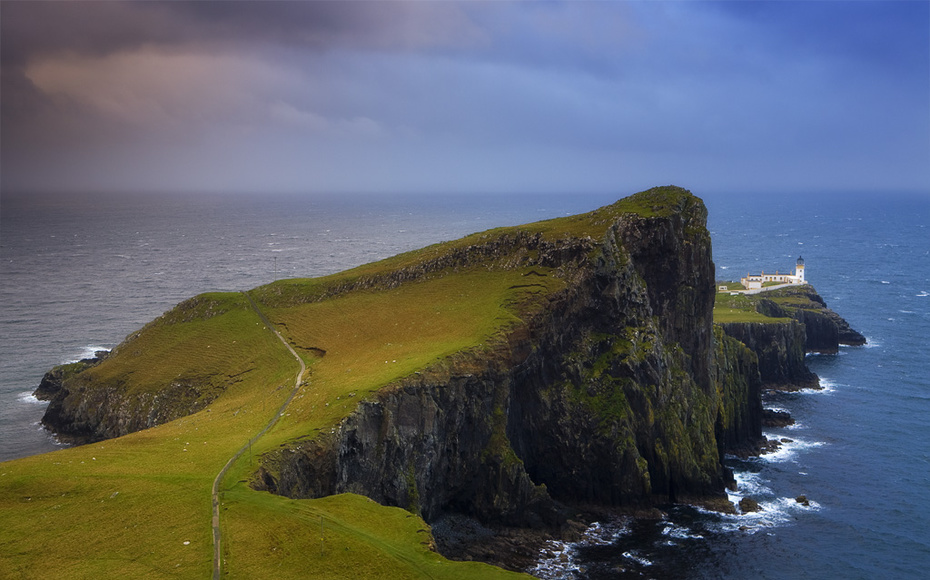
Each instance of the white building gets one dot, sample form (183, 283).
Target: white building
(755, 281)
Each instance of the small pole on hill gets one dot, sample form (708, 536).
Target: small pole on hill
(321, 536)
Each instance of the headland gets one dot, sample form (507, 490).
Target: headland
(523, 378)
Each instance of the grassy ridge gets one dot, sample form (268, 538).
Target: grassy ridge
(343, 536)
(373, 338)
(740, 308)
(125, 507)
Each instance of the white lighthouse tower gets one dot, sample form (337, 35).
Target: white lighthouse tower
(799, 271)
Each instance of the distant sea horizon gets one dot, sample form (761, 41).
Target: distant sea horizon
(80, 272)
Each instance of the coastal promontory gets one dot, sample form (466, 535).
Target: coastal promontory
(516, 378)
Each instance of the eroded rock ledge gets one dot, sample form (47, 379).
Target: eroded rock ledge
(805, 325)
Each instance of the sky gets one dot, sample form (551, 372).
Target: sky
(446, 97)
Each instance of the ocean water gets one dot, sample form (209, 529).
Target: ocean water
(79, 273)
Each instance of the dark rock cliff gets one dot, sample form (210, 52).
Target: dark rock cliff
(85, 407)
(780, 350)
(736, 373)
(616, 393)
(804, 324)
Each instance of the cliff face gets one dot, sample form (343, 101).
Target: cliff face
(780, 350)
(739, 383)
(614, 388)
(616, 392)
(175, 366)
(78, 414)
(805, 325)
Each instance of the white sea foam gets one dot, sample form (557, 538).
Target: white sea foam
(773, 512)
(637, 558)
(89, 351)
(557, 559)
(679, 532)
(748, 484)
(923, 294)
(28, 398)
(789, 448)
(827, 387)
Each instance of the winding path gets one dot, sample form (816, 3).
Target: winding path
(217, 543)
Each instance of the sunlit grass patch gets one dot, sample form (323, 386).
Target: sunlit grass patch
(342, 536)
(739, 308)
(367, 339)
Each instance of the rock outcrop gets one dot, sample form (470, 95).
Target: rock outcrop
(100, 398)
(801, 323)
(780, 349)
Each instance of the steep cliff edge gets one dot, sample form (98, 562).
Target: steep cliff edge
(613, 390)
(781, 327)
(503, 376)
(779, 348)
(176, 365)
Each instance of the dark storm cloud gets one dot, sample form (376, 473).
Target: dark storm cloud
(309, 96)
(33, 29)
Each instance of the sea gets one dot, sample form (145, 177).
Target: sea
(80, 272)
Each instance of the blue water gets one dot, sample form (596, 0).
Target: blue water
(80, 273)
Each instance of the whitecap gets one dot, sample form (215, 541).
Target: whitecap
(885, 282)
(827, 387)
(88, 351)
(923, 294)
(637, 558)
(772, 513)
(557, 558)
(789, 448)
(748, 484)
(679, 532)
(28, 398)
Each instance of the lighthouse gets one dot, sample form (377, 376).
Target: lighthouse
(799, 271)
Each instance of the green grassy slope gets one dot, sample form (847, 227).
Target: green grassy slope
(741, 308)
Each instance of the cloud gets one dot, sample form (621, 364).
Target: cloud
(151, 88)
(290, 116)
(38, 29)
(485, 95)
